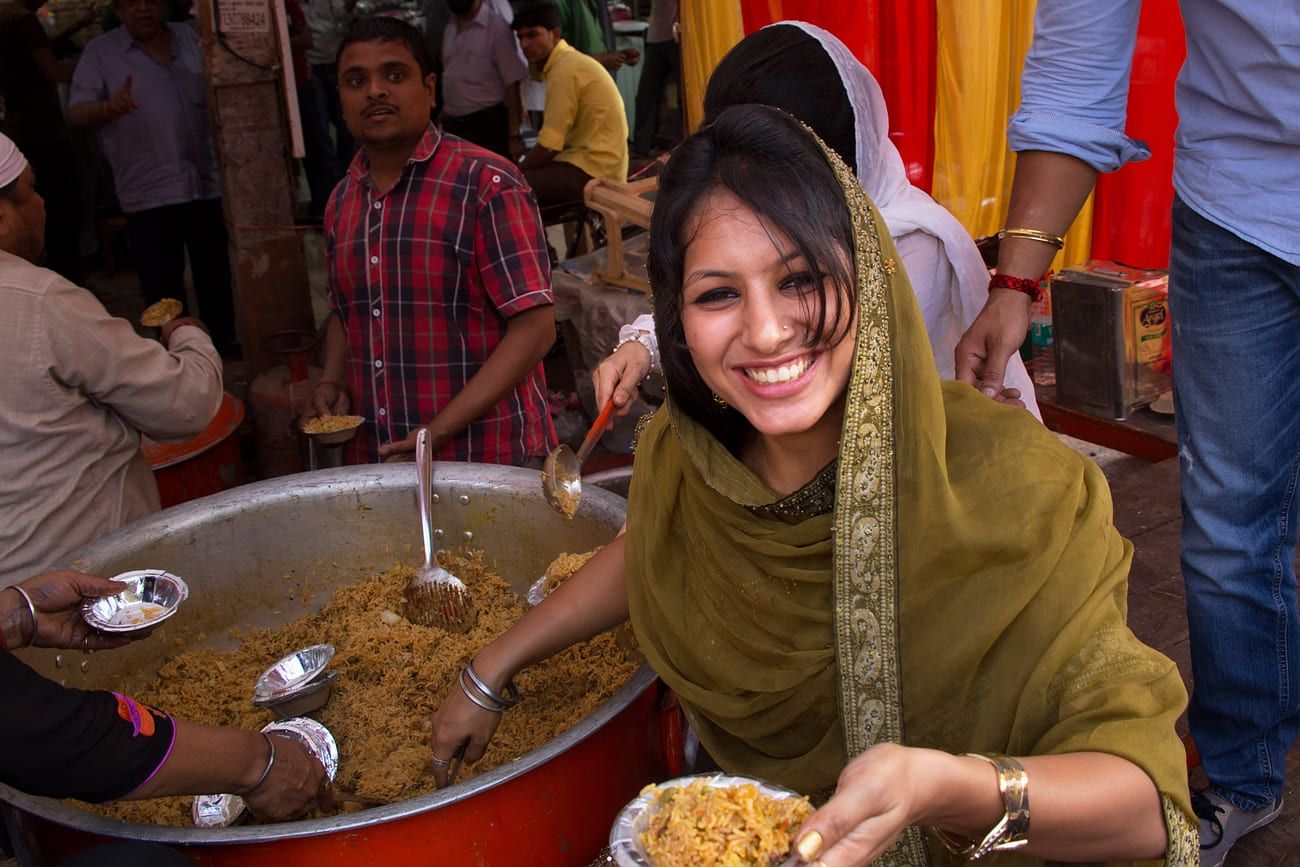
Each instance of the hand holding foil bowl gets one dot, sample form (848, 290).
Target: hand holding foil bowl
(97, 745)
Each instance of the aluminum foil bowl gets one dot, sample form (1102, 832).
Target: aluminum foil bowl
(292, 673)
(150, 597)
(625, 836)
(312, 735)
(217, 811)
(310, 697)
(222, 811)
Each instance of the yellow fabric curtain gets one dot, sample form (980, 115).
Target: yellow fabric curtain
(708, 30)
(981, 48)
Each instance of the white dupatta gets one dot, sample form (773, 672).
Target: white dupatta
(951, 288)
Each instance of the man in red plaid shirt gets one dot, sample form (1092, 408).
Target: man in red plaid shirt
(438, 275)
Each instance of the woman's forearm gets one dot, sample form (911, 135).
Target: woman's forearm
(1082, 806)
(593, 600)
(207, 760)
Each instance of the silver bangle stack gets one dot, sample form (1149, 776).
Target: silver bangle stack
(483, 695)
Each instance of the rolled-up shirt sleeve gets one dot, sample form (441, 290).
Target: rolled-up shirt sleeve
(1074, 91)
(166, 393)
(510, 250)
(562, 102)
(88, 83)
(70, 743)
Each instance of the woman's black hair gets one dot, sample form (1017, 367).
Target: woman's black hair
(786, 68)
(382, 28)
(768, 161)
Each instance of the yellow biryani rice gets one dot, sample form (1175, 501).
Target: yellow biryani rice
(330, 423)
(702, 825)
(393, 675)
(160, 313)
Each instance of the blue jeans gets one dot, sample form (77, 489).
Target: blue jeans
(1236, 344)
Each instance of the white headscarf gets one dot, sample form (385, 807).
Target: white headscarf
(12, 161)
(951, 291)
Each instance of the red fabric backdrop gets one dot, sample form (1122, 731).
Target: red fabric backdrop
(1130, 221)
(897, 42)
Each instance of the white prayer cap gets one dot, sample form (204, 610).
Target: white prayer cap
(12, 161)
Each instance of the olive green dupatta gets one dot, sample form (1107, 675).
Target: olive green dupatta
(967, 592)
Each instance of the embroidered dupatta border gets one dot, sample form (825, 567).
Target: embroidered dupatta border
(866, 518)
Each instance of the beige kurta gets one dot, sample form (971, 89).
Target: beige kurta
(77, 388)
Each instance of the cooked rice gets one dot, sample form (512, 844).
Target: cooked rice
(330, 423)
(160, 313)
(703, 825)
(567, 500)
(391, 680)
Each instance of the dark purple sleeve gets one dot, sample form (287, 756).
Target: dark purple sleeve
(72, 743)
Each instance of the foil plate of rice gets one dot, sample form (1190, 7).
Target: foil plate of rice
(331, 429)
(708, 820)
(161, 312)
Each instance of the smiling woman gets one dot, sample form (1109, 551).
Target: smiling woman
(767, 322)
(826, 571)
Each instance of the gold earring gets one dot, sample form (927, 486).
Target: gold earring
(718, 401)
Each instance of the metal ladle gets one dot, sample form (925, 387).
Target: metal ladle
(562, 470)
(435, 597)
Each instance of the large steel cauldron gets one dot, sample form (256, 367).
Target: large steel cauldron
(552, 806)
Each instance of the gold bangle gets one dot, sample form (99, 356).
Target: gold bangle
(1012, 830)
(1056, 241)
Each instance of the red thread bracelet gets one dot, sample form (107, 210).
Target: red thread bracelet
(1027, 285)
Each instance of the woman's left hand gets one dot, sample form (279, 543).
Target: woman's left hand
(879, 794)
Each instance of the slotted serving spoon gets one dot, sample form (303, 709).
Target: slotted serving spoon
(435, 597)
(562, 470)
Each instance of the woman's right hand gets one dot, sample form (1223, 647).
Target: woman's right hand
(620, 374)
(296, 779)
(459, 722)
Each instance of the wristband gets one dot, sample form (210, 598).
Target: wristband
(503, 702)
(269, 764)
(631, 334)
(1012, 830)
(32, 610)
(1056, 241)
(1028, 285)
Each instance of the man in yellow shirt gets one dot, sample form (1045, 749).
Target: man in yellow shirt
(584, 131)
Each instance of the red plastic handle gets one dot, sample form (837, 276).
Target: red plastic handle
(593, 435)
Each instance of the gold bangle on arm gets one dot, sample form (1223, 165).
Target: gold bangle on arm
(1012, 830)
(1057, 241)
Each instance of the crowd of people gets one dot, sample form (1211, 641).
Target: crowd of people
(819, 559)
